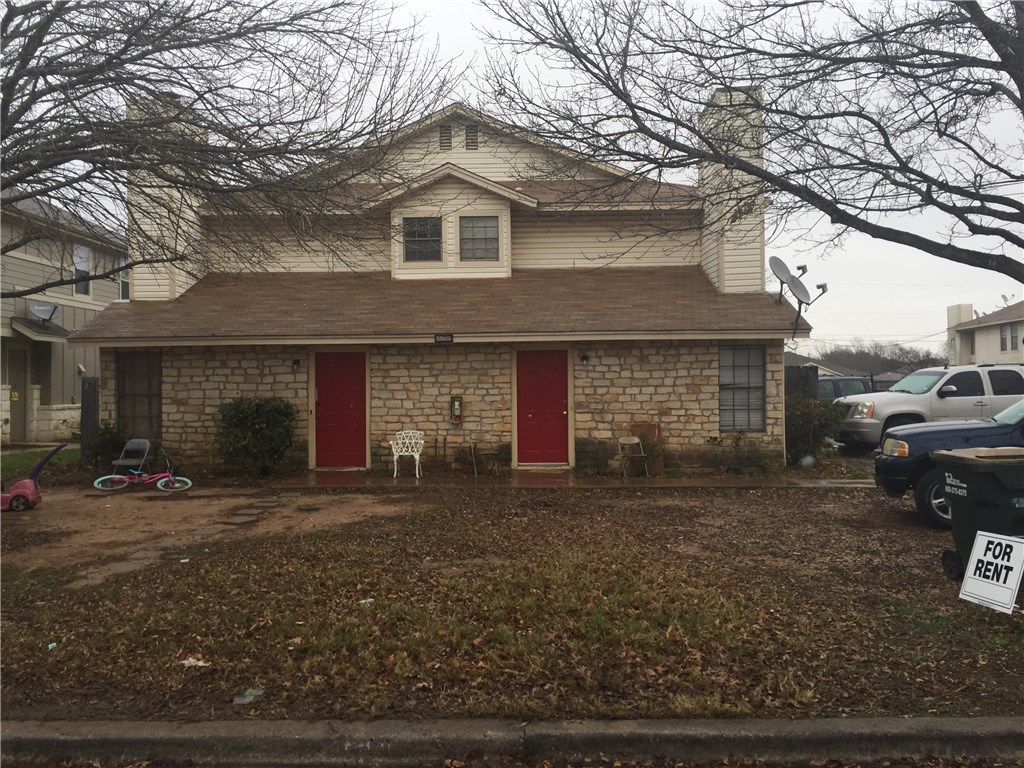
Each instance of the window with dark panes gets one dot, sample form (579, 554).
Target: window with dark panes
(1006, 382)
(478, 238)
(1013, 336)
(139, 394)
(1004, 332)
(741, 389)
(967, 383)
(422, 238)
(83, 268)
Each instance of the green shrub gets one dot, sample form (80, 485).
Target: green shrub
(256, 432)
(808, 422)
(105, 448)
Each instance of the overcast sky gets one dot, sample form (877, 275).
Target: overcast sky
(877, 291)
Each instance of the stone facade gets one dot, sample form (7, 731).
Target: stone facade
(412, 387)
(615, 385)
(45, 423)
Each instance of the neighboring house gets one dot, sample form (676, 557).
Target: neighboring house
(996, 337)
(793, 360)
(42, 373)
(516, 297)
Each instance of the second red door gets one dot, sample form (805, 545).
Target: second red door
(542, 406)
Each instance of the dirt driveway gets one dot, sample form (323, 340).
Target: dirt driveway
(101, 534)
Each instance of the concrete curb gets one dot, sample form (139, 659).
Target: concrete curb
(429, 742)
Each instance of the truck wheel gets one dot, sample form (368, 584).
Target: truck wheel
(930, 500)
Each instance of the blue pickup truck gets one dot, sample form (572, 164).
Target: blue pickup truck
(905, 462)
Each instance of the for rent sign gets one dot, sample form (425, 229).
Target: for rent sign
(993, 573)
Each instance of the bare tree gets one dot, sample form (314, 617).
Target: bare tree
(260, 109)
(899, 120)
(876, 358)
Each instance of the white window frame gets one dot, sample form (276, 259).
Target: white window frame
(440, 241)
(82, 254)
(124, 290)
(478, 215)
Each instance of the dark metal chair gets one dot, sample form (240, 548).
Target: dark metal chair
(134, 455)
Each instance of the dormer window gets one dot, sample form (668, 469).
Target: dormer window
(478, 238)
(422, 238)
(444, 137)
(472, 136)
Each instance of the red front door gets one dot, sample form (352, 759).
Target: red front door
(542, 406)
(340, 409)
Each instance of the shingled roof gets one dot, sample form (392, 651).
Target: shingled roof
(538, 304)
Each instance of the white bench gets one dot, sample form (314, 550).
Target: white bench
(409, 442)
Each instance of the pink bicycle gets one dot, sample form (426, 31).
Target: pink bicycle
(165, 481)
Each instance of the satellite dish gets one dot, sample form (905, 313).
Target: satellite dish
(799, 290)
(44, 310)
(779, 269)
(796, 287)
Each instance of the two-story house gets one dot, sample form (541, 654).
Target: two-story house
(42, 373)
(995, 337)
(506, 293)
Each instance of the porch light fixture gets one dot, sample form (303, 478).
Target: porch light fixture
(295, 365)
(584, 358)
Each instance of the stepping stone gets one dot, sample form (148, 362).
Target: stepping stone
(126, 566)
(213, 529)
(170, 543)
(240, 520)
(145, 554)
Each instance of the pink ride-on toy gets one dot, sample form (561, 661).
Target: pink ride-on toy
(25, 494)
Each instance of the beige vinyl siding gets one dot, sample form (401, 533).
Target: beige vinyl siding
(744, 257)
(155, 282)
(499, 157)
(351, 245)
(53, 365)
(986, 345)
(573, 240)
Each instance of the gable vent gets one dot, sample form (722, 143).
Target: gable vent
(444, 137)
(472, 136)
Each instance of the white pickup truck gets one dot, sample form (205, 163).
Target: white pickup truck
(931, 394)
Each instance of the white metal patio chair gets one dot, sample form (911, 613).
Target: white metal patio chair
(408, 442)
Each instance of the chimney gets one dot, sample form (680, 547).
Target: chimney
(732, 248)
(163, 219)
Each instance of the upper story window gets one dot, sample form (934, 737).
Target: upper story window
(83, 268)
(1008, 338)
(1013, 336)
(444, 137)
(478, 238)
(472, 136)
(422, 236)
(123, 289)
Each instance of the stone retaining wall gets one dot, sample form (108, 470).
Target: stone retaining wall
(45, 423)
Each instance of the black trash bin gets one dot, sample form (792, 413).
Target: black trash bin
(984, 488)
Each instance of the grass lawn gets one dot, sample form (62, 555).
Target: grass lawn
(15, 465)
(531, 604)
